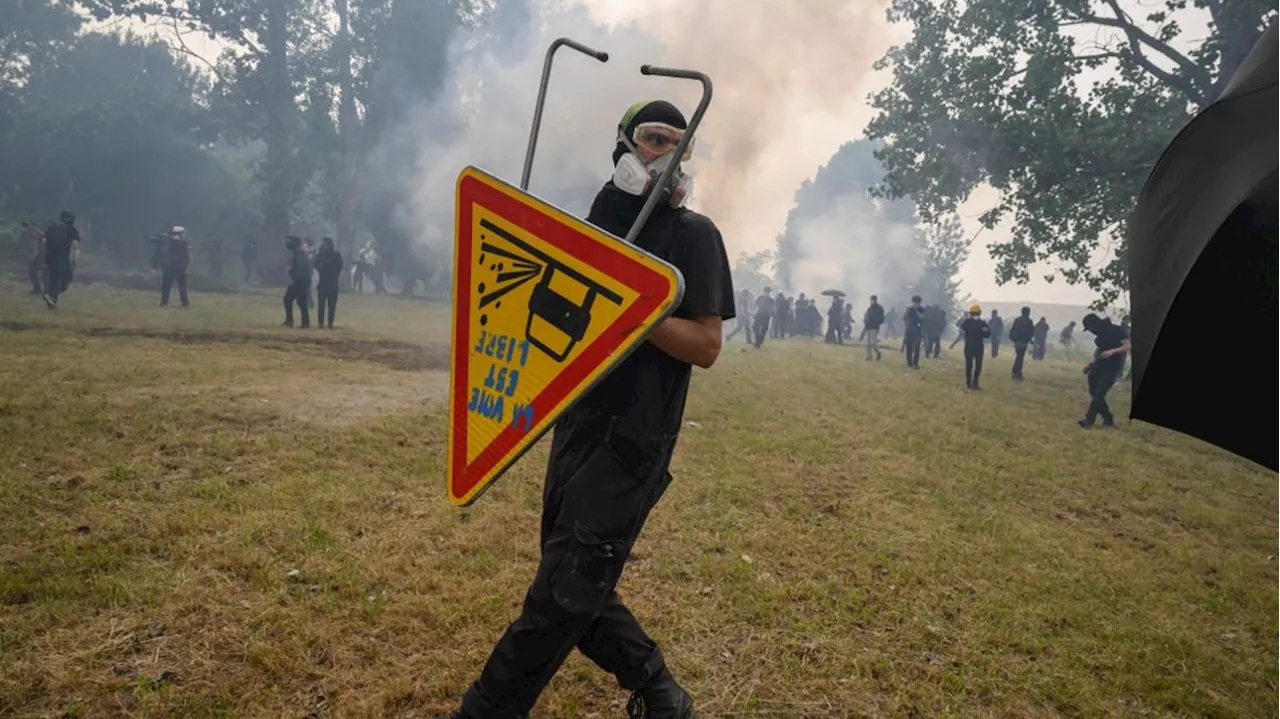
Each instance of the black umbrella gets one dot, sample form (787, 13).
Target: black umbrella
(832, 293)
(1202, 269)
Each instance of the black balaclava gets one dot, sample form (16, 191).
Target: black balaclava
(654, 111)
(327, 243)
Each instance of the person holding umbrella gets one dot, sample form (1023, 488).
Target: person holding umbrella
(835, 317)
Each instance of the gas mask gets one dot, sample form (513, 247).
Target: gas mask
(635, 177)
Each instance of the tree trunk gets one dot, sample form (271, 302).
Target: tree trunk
(348, 198)
(278, 105)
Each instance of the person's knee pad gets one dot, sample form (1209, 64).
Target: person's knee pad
(588, 572)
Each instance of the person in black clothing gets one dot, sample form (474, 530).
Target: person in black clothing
(299, 290)
(974, 330)
(61, 245)
(1112, 344)
(764, 312)
(175, 258)
(249, 257)
(935, 323)
(871, 321)
(913, 331)
(1020, 334)
(996, 323)
(781, 316)
(835, 321)
(743, 311)
(1041, 340)
(35, 268)
(329, 270)
(609, 458)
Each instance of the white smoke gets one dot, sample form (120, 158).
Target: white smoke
(492, 102)
(852, 247)
(775, 68)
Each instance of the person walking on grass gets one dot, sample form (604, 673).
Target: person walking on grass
(1041, 341)
(996, 323)
(742, 322)
(1112, 343)
(764, 314)
(974, 330)
(872, 319)
(61, 248)
(299, 291)
(610, 455)
(913, 331)
(1020, 334)
(175, 258)
(329, 272)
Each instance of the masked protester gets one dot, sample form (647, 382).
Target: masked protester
(1021, 333)
(1112, 342)
(175, 258)
(610, 454)
(299, 290)
(329, 271)
(975, 331)
(61, 248)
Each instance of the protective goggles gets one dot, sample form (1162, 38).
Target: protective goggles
(660, 139)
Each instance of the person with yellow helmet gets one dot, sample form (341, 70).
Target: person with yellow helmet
(975, 330)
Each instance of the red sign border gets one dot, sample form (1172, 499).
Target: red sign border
(651, 285)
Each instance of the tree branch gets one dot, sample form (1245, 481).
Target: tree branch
(1195, 86)
(185, 50)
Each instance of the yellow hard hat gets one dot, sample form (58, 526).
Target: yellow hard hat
(975, 310)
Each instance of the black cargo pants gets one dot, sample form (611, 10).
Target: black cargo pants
(597, 497)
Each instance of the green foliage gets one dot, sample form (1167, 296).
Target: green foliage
(990, 92)
(111, 127)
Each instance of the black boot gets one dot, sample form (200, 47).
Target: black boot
(661, 698)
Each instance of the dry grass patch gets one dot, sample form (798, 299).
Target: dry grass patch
(218, 517)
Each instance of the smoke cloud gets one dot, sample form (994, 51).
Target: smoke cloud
(852, 247)
(837, 236)
(771, 67)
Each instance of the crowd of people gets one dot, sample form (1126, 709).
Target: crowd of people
(314, 272)
(777, 316)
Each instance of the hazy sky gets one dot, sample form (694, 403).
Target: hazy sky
(816, 56)
(818, 132)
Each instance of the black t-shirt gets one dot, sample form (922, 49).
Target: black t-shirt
(329, 266)
(643, 398)
(57, 242)
(1108, 336)
(764, 305)
(975, 330)
(177, 254)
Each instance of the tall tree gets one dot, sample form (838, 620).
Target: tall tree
(110, 127)
(990, 92)
(261, 79)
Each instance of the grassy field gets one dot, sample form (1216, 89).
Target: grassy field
(208, 515)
